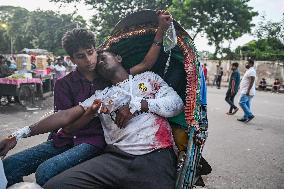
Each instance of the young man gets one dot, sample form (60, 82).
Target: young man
(233, 89)
(139, 152)
(262, 84)
(219, 77)
(4, 69)
(65, 151)
(276, 86)
(59, 68)
(247, 88)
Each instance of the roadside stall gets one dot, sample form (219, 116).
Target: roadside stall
(25, 85)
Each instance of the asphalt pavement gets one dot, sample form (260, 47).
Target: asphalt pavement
(243, 156)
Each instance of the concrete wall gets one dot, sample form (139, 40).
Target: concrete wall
(264, 69)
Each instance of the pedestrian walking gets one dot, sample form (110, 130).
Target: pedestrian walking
(233, 89)
(247, 89)
(219, 77)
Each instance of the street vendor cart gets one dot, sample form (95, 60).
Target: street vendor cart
(23, 90)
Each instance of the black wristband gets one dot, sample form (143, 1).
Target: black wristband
(157, 43)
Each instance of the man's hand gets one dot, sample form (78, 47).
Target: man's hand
(7, 144)
(165, 19)
(123, 115)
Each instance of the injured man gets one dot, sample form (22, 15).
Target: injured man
(139, 152)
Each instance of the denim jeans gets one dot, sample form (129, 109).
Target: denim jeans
(46, 161)
(244, 103)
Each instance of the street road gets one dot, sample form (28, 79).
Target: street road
(246, 156)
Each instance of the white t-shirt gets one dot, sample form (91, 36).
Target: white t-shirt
(60, 71)
(146, 131)
(246, 80)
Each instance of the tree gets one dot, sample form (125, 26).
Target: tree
(270, 30)
(109, 12)
(46, 28)
(270, 43)
(36, 29)
(219, 19)
(14, 33)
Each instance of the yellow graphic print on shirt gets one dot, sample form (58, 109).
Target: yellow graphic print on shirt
(142, 87)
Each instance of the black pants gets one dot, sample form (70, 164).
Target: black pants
(230, 100)
(116, 169)
(218, 81)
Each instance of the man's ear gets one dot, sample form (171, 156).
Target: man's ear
(119, 58)
(72, 60)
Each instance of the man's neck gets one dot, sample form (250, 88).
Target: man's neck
(89, 75)
(119, 78)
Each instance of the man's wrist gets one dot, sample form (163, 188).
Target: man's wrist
(158, 43)
(144, 105)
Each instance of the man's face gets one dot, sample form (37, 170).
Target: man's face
(60, 62)
(234, 68)
(109, 59)
(247, 66)
(85, 59)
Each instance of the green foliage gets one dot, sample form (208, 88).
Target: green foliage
(263, 49)
(36, 29)
(268, 29)
(219, 19)
(270, 45)
(109, 12)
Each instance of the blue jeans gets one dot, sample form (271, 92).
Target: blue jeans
(244, 103)
(46, 161)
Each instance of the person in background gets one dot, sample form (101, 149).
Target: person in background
(276, 86)
(204, 67)
(216, 75)
(247, 88)
(12, 66)
(33, 64)
(50, 66)
(59, 69)
(233, 89)
(219, 77)
(262, 84)
(4, 69)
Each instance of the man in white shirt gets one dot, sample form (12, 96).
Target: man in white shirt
(59, 68)
(247, 88)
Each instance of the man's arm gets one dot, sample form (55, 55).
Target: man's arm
(62, 101)
(154, 51)
(48, 124)
(251, 81)
(167, 103)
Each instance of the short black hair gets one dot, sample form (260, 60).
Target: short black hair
(235, 64)
(251, 61)
(104, 69)
(78, 38)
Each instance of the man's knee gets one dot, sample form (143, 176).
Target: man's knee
(53, 183)
(44, 172)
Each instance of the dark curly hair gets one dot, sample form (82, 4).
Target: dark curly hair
(78, 38)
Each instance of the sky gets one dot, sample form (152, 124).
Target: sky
(273, 9)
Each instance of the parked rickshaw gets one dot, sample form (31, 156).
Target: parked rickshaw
(131, 38)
